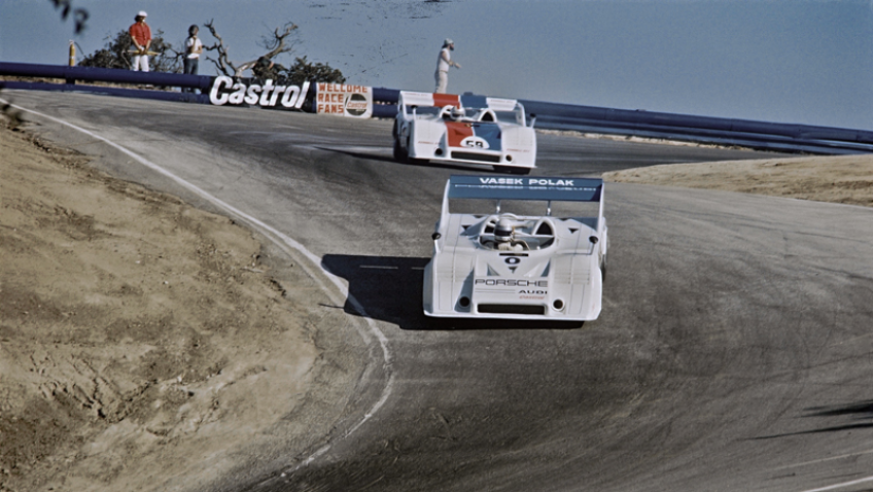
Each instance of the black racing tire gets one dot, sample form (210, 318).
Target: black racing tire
(512, 170)
(603, 269)
(400, 154)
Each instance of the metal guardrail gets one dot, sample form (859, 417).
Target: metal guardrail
(723, 131)
(92, 74)
(759, 134)
(110, 91)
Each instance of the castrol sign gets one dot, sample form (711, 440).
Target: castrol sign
(354, 101)
(227, 91)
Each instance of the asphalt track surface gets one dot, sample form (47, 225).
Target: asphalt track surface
(733, 351)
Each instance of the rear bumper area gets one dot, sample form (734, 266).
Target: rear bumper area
(518, 312)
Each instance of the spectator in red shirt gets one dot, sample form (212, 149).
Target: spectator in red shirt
(141, 35)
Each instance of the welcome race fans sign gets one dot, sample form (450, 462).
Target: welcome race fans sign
(355, 101)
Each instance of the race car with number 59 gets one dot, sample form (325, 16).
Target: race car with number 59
(464, 129)
(520, 248)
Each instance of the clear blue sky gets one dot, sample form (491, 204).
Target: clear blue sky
(793, 61)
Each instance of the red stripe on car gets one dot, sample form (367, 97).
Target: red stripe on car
(456, 132)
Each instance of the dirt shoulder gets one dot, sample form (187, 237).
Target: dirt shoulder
(138, 335)
(842, 179)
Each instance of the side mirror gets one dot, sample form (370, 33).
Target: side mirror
(593, 239)
(436, 235)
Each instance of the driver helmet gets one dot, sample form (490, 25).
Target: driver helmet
(457, 112)
(503, 231)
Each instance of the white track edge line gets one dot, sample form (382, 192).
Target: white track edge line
(841, 485)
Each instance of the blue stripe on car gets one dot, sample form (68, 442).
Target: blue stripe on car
(489, 132)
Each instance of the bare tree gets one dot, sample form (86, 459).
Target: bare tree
(275, 45)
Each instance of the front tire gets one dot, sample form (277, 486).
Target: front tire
(512, 170)
(400, 154)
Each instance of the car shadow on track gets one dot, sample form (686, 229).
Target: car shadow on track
(389, 288)
(859, 414)
(415, 163)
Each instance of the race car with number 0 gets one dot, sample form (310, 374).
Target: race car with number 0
(489, 262)
(464, 129)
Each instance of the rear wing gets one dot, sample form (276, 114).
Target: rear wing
(467, 101)
(528, 188)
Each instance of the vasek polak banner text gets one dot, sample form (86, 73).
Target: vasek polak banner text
(227, 91)
(355, 101)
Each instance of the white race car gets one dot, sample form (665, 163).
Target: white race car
(464, 129)
(489, 263)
